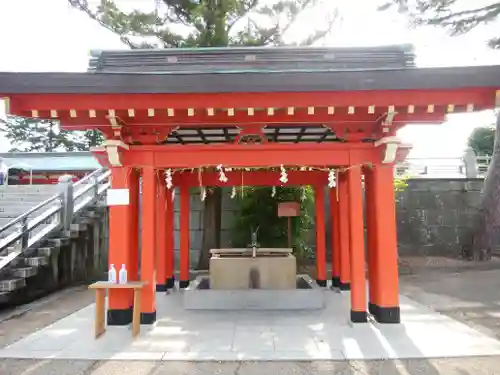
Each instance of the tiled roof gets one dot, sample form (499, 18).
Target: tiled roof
(250, 59)
(360, 80)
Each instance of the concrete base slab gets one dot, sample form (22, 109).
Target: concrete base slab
(258, 335)
(309, 297)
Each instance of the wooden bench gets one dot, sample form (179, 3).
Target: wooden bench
(100, 320)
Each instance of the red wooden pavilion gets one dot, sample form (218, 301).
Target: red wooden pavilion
(311, 114)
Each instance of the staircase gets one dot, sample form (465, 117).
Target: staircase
(44, 232)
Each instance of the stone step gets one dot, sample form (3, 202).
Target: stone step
(16, 210)
(28, 188)
(17, 262)
(9, 231)
(9, 250)
(58, 241)
(5, 259)
(36, 261)
(4, 297)
(8, 285)
(45, 251)
(23, 272)
(22, 204)
(24, 197)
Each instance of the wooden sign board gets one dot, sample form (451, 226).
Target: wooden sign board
(288, 209)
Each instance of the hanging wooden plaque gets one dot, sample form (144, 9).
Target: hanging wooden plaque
(288, 209)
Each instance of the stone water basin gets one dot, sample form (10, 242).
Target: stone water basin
(275, 268)
(305, 295)
(239, 281)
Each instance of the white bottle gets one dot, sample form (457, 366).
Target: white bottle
(112, 274)
(122, 275)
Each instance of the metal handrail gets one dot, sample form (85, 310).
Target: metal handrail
(26, 236)
(91, 175)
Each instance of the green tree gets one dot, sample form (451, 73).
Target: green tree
(83, 140)
(482, 139)
(460, 17)
(41, 135)
(457, 16)
(258, 208)
(26, 134)
(209, 23)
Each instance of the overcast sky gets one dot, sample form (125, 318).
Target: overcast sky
(50, 36)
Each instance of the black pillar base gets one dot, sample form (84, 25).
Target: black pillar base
(170, 282)
(387, 315)
(183, 284)
(372, 308)
(321, 283)
(119, 317)
(344, 286)
(148, 318)
(359, 317)
(336, 281)
(161, 287)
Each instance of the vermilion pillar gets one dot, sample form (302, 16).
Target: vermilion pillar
(335, 245)
(169, 240)
(357, 246)
(345, 269)
(122, 244)
(319, 199)
(386, 297)
(161, 249)
(148, 249)
(133, 263)
(184, 229)
(371, 237)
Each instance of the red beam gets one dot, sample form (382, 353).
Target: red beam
(251, 178)
(480, 97)
(221, 118)
(245, 155)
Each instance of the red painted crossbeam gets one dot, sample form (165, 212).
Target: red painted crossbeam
(256, 155)
(141, 120)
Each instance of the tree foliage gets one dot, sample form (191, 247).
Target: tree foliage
(258, 208)
(206, 23)
(41, 135)
(26, 134)
(481, 140)
(209, 23)
(457, 16)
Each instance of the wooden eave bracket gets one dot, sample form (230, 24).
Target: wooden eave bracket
(388, 118)
(116, 123)
(111, 147)
(391, 147)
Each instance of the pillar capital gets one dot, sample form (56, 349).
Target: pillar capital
(389, 146)
(112, 147)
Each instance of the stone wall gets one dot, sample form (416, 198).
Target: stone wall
(432, 216)
(196, 223)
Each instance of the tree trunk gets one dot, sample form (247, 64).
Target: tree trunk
(485, 236)
(212, 215)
